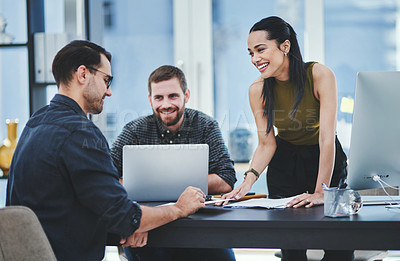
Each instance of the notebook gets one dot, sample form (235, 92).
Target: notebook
(162, 172)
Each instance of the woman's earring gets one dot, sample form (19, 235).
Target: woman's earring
(285, 53)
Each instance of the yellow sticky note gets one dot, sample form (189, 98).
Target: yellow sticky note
(347, 105)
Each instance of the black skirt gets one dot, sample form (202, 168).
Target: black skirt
(294, 169)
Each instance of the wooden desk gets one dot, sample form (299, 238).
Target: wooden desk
(374, 227)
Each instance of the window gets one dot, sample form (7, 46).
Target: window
(54, 15)
(140, 39)
(233, 71)
(14, 81)
(359, 36)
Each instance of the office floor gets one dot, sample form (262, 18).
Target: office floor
(247, 255)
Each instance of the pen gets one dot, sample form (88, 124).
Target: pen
(336, 206)
(247, 196)
(218, 196)
(342, 183)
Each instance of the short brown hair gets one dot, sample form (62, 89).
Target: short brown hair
(75, 54)
(167, 72)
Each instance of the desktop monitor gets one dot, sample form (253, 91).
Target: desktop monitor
(375, 135)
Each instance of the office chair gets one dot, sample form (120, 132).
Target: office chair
(22, 237)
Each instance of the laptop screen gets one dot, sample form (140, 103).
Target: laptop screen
(162, 172)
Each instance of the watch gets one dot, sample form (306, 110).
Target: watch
(252, 171)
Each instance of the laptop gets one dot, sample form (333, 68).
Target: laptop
(162, 172)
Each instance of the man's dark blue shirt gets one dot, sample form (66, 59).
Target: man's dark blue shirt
(63, 171)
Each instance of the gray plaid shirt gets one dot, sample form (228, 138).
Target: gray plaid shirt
(196, 128)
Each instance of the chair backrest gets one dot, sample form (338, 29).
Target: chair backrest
(22, 237)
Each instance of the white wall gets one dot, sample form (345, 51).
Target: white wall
(193, 50)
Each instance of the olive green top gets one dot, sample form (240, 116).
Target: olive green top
(304, 129)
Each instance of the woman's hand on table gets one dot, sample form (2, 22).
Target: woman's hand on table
(307, 200)
(236, 193)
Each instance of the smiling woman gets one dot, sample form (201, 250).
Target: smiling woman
(233, 74)
(262, 51)
(305, 153)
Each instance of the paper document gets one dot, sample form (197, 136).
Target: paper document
(261, 203)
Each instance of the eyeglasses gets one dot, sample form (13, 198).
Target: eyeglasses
(109, 77)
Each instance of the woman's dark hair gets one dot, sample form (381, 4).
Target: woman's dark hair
(167, 72)
(75, 54)
(279, 30)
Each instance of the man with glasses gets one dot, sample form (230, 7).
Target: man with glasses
(109, 78)
(63, 171)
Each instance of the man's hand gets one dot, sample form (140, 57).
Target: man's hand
(190, 201)
(137, 239)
